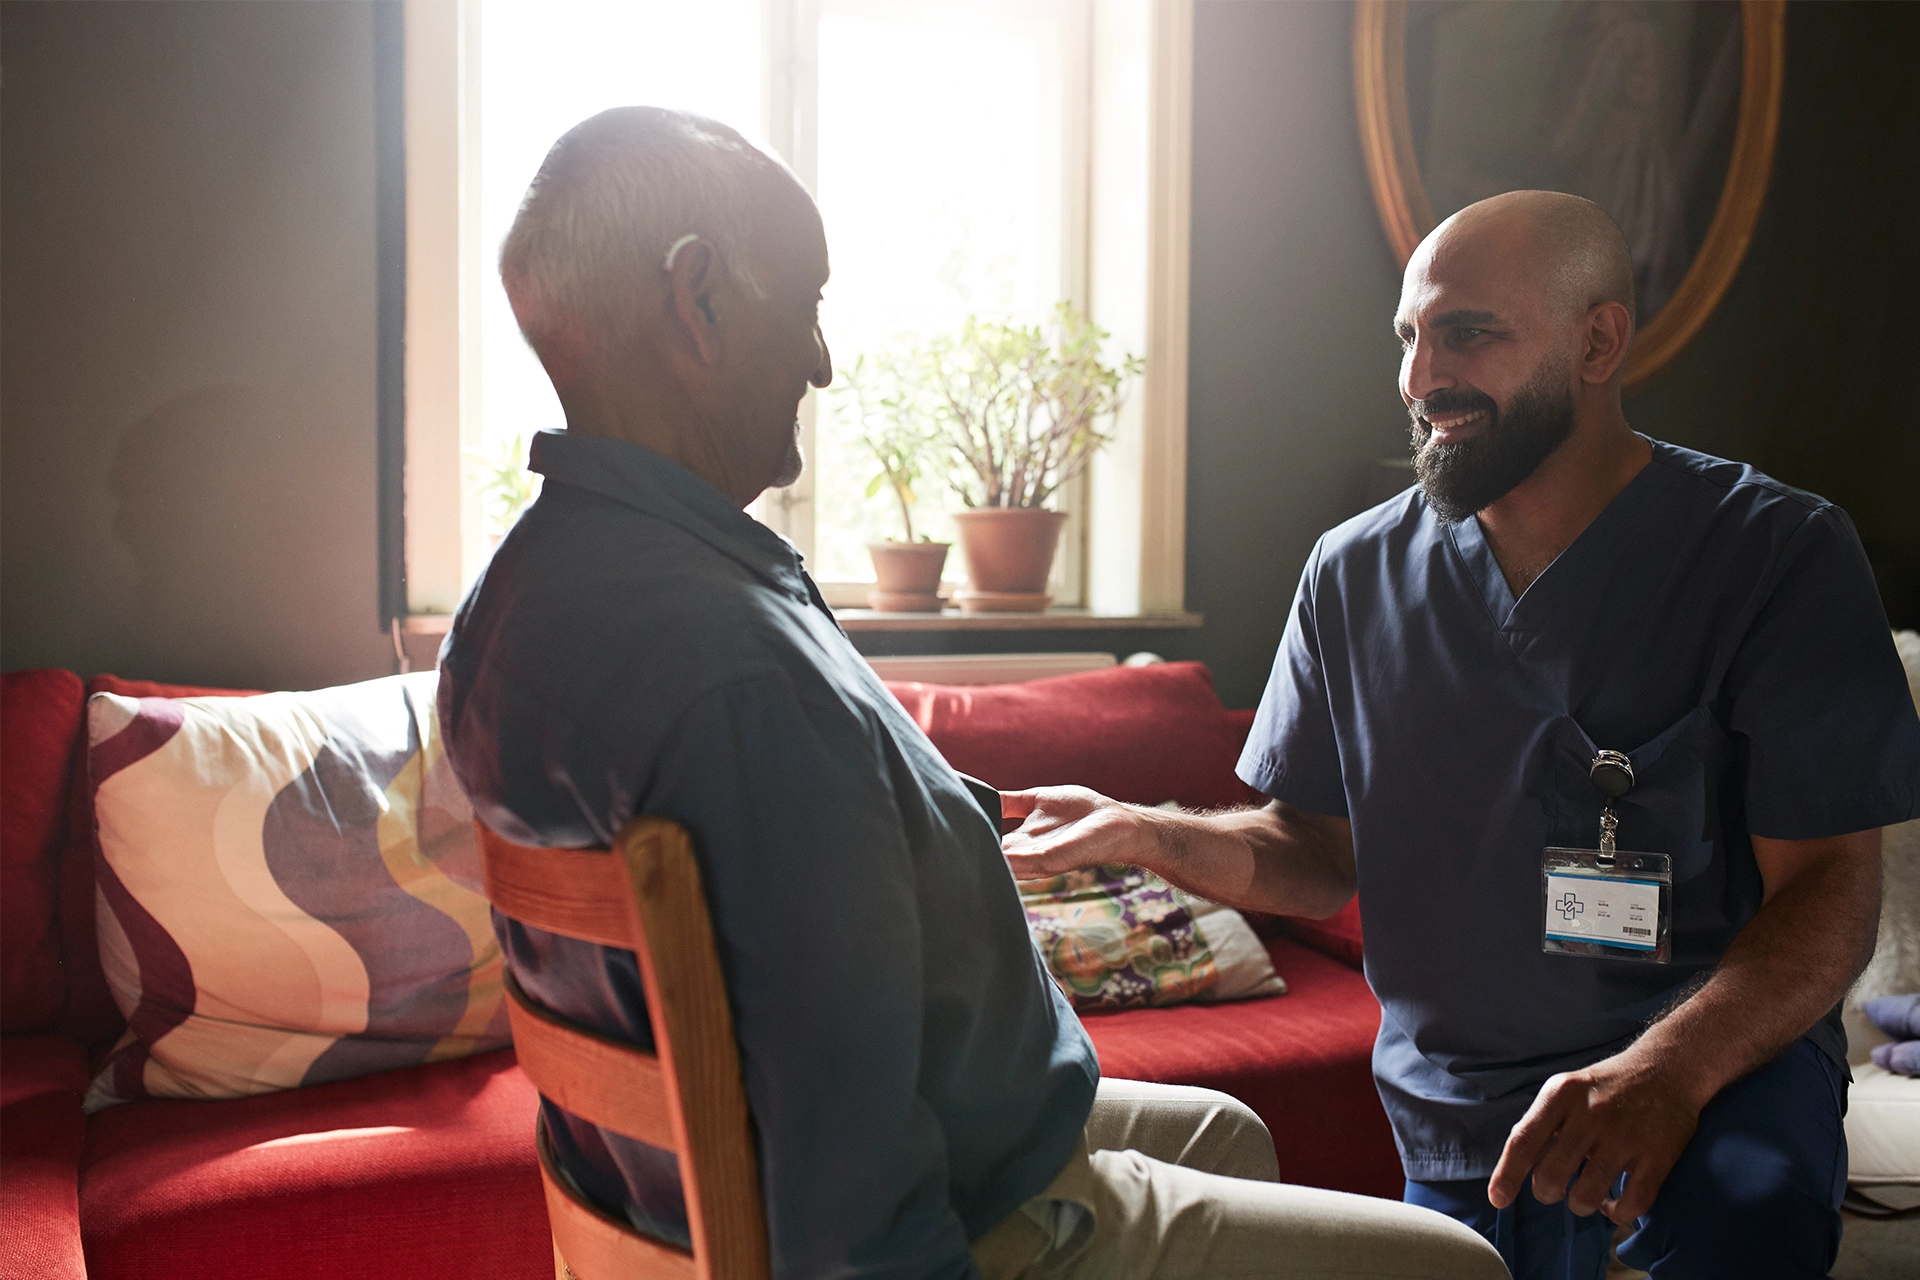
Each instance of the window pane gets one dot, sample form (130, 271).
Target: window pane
(545, 65)
(941, 180)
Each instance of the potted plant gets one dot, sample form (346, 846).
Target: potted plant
(892, 428)
(1020, 407)
(503, 485)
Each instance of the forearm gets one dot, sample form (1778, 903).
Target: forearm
(1276, 859)
(1794, 960)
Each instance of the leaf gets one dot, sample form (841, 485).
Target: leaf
(873, 485)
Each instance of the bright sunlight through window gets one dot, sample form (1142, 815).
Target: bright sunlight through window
(939, 154)
(972, 159)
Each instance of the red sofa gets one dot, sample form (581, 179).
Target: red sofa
(430, 1172)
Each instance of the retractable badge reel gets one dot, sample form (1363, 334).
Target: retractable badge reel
(1602, 902)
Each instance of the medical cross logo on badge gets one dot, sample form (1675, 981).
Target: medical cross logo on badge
(1569, 906)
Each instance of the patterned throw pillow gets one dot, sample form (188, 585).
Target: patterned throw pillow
(1118, 937)
(288, 891)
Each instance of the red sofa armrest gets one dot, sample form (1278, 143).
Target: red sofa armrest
(42, 1081)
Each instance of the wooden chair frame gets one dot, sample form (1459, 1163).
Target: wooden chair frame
(686, 1097)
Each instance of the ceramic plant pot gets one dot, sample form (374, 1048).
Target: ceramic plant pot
(906, 576)
(1009, 553)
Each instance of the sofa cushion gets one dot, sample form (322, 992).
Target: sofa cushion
(293, 890)
(427, 1173)
(39, 729)
(41, 1131)
(1302, 1061)
(1142, 734)
(1337, 936)
(91, 1015)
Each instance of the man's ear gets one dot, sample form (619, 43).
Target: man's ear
(693, 277)
(1609, 330)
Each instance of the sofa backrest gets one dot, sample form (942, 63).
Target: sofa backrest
(1141, 734)
(40, 733)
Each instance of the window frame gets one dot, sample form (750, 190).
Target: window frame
(1126, 221)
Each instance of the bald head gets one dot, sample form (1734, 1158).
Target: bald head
(609, 202)
(1568, 244)
(1515, 318)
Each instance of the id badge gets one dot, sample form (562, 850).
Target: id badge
(1601, 902)
(1617, 908)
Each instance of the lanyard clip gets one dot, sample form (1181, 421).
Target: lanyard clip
(1612, 773)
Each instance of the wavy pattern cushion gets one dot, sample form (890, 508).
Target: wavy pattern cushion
(289, 891)
(1117, 937)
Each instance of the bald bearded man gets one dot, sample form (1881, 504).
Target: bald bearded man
(1456, 661)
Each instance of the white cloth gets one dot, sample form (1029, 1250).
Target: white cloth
(1883, 1127)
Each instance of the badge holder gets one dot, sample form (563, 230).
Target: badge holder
(1601, 902)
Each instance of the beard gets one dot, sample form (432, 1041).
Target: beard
(1470, 476)
(792, 463)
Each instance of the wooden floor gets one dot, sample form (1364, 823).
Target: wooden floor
(1883, 1249)
(1870, 1249)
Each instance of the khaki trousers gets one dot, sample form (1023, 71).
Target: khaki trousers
(1174, 1182)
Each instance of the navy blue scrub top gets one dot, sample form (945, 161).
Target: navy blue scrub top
(1721, 628)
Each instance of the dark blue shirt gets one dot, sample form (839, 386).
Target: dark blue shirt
(640, 645)
(1719, 627)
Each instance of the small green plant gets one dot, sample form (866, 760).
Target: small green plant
(1020, 406)
(891, 424)
(502, 484)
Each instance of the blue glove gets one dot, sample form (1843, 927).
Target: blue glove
(1896, 1016)
(1901, 1058)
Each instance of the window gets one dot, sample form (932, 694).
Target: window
(990, 157)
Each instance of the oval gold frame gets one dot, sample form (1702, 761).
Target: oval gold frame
(1386, 136)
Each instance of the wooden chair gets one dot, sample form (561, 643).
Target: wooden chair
(686, 1097)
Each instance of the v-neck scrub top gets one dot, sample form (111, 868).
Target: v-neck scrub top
(1719, 627)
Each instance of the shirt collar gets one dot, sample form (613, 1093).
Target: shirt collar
(638, 477)
(1624, 517)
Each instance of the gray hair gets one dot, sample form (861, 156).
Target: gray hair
(613, 197)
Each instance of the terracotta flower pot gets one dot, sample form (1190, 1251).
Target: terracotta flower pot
(1009, 553)
(906, 576)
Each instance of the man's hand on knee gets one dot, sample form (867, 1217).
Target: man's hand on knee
(1620, 1115)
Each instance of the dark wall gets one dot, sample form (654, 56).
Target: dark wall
(1806, 368)
(188, 331)
(1803, 370)
(187, 342)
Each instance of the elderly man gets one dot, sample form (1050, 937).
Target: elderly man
(1664, 1050)
(925, 1102)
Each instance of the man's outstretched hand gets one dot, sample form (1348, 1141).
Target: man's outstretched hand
(1066, 828)
(1620, 1115)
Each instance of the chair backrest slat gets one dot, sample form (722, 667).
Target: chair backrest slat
(581, 893)
(693, 1032)
(604, 1082)
(688, 1096)
(593, 1244)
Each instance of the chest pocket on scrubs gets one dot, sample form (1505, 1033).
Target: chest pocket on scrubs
(1674, 806)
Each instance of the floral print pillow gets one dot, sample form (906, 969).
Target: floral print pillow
(1118, 937)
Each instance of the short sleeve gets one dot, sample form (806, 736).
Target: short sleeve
(1292, 753)
(1817, 700)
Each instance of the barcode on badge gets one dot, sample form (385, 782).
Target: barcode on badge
(1627, 928)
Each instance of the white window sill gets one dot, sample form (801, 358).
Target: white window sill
(1052, 620)
(436, 624)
